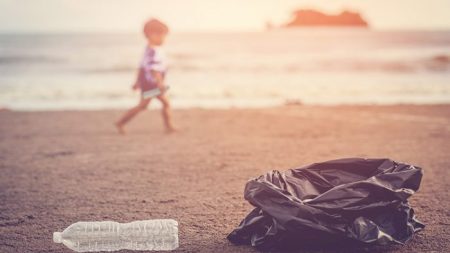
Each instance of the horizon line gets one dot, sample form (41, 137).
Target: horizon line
(212, 31)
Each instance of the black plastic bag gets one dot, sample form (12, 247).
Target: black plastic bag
(341, 202)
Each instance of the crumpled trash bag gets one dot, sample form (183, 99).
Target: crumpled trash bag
(350, 201)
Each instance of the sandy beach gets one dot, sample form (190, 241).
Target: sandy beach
(62, 167)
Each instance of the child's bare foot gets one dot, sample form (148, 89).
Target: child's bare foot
(120, 128)
(171, 130)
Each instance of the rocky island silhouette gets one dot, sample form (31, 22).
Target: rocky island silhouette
(309, 17)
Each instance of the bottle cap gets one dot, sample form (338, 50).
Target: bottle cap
(57, 237)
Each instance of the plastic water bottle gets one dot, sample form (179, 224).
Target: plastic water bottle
(112, 236)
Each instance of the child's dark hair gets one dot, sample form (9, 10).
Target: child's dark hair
(155, 26)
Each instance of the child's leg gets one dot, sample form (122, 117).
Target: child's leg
(127, 116)
(166, 113)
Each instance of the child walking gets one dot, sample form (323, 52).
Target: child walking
(150, 79)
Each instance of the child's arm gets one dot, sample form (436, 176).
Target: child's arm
(136, 84)
(159, 79)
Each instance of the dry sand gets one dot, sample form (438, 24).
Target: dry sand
(61, 167)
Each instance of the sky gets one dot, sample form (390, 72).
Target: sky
(207, 15)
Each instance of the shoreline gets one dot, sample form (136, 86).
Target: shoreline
(219, 108)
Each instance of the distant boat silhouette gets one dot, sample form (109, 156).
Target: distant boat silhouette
(308, 17)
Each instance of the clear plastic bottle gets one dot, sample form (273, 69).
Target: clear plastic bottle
(112, 236)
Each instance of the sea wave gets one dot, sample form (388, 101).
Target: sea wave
(191, 63)
(112, 69)
(434, 63)
(27, 59)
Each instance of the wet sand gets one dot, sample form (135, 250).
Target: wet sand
(61, 167)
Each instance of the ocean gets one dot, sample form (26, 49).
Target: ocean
(223, 70)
